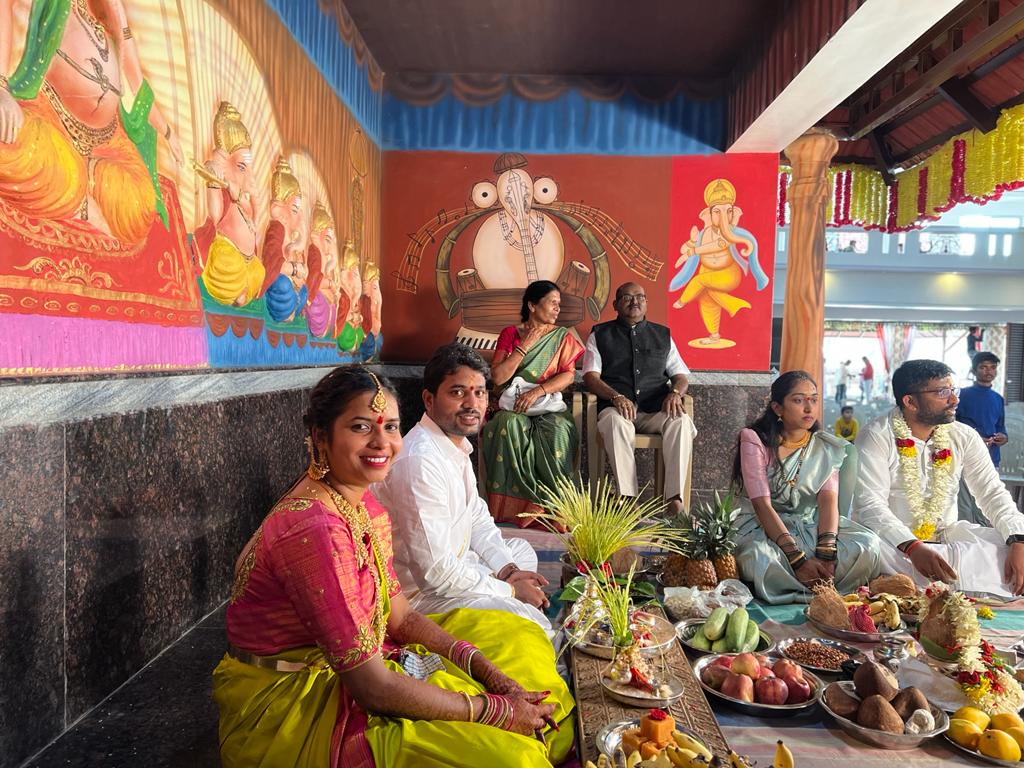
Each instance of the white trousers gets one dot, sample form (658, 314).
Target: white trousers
(523, 556)
(977, 553)
(618, 433)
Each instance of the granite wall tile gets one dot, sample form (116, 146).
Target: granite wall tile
(159, 504)
(31, 590)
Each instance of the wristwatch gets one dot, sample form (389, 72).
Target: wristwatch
(1017, 538)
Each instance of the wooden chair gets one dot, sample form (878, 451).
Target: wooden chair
(595, 451)
(577, 416)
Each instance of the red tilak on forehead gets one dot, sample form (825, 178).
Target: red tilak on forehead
(380, 419)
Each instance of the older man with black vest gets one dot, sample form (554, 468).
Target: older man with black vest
(633, 367)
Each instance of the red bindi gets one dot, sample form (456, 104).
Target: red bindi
(380, 419)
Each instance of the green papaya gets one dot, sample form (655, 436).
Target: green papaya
(753, 637)
(714, 627)
(736, 629)
(720, 646)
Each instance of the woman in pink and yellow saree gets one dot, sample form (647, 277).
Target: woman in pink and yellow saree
(328, 666)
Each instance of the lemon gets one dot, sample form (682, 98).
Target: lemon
(1018, 735)
(972, 714)
(1000, 745)
(964, 732)
(1004, 720)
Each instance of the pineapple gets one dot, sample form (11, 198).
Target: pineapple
(698, 570)
(723, 538)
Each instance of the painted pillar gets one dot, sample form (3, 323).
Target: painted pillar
(803, 312)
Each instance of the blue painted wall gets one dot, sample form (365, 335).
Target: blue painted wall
(317, 33)
(570, 124)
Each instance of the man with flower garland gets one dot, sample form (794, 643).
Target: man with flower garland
(911, 464)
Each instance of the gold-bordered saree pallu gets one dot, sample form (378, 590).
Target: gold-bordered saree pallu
(274, 719)
(523, 453)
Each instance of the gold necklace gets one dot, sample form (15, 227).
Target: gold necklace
(796, 444)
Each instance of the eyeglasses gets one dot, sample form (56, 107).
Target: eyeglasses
(944, 393)
(633, 298)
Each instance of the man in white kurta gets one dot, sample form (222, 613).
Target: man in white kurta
(976, 559)
(448, 553)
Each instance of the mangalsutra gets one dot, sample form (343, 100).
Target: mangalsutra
(94, 30)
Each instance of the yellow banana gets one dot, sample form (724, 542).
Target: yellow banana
(688, 742)
(738, 762)
(680, 757)
(633, 760)
(783, 757)
(590, 764)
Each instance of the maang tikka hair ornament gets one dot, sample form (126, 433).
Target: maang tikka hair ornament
(380, 401)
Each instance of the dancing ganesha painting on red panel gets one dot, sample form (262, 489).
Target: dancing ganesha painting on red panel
(722, 252)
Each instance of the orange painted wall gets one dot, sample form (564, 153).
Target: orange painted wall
(634, 191)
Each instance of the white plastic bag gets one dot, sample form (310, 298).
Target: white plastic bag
(694, 603)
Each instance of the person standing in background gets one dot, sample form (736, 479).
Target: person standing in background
(867, 380)
(842, 375)
(974, 338)
(982, 408)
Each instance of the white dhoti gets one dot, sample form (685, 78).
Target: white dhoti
(523, 556)
(977, 553)
(618, 433)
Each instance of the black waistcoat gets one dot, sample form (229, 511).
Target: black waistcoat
(633, 361)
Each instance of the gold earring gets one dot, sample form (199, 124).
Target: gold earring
(317, 469)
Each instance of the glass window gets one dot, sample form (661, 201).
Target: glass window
(991, 245)
(1007, 245)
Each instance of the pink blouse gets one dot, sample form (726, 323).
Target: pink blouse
(314, 583)
(754, 460)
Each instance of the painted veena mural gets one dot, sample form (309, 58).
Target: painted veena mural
(151, 213)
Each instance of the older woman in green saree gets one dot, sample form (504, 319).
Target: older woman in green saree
(533, 442)
(794, 530)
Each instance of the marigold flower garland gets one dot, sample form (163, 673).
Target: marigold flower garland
(981, 675)
(927, 512)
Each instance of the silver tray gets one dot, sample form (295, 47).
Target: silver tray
(687, 628)
(639, 700)
(662, 626)
(852, 635)
(978, 756)
(609, 737)
(884, 739)
(854, 653)
(753, 708)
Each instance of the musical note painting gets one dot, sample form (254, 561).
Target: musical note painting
(720, 304)
(513, 230)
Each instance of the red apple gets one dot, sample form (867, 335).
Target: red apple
(723, 661)
(785, 667)
(771, 690)
(765, 673)
(762, 660)
(713, 676)
(746, 664)
(799, 689)
(738, 687)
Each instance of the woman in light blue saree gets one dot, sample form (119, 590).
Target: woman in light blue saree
(794, 529)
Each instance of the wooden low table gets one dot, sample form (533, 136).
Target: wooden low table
(595, 709)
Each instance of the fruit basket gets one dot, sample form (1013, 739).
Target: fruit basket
(688, 628)
(609, 738)
(885, 739)
(735, 692)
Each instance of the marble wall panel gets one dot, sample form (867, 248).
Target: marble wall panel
(159, 504)
(31, 590)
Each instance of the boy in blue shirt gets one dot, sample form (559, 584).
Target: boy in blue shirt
(982, 408)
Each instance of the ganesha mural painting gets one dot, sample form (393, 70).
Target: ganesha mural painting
(719, 303)
(518, 230)
(119, 249)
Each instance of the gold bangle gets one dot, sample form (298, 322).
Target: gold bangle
(513, 589)
(469, 703)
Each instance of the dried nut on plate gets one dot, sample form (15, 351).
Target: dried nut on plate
(816, 654)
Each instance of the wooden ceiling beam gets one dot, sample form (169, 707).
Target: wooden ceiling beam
(959, 94)
(883, 158)
(1005, 28)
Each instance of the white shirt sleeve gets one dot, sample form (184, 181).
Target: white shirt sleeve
(675, 365)
(425, 522)
(486, 539)
(874, 482)
(591, 357)
(991, 496)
